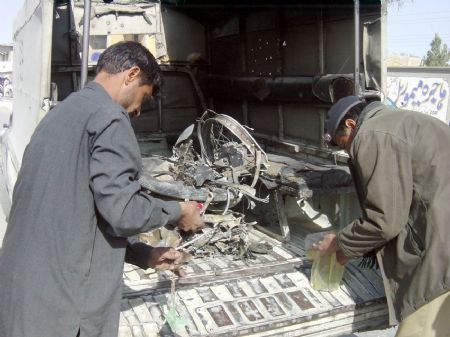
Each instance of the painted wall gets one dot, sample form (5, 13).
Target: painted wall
(423, 89)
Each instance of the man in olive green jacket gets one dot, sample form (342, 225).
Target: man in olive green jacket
(401, 169)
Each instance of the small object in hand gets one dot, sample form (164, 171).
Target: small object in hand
(199, 205)
(175, 321)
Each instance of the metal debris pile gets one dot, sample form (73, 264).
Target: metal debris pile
(224, 235)
(218, 168)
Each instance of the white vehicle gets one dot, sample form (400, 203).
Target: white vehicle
(273, 66)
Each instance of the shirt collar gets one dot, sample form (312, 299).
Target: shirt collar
(100, 90)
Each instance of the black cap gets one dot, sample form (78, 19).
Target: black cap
(336, 113)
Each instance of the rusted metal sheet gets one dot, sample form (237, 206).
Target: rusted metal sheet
(258, 306)
(268, 296)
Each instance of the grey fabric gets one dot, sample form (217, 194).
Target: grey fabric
(337, 112)
(138, 253)
(402, 161)
(76, 200)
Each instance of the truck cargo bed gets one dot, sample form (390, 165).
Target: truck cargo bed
(268, 296)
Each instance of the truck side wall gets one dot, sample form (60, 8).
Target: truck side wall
(32, 36)
(260, 66)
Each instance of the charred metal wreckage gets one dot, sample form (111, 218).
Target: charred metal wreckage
(243, 277)
(216, 163)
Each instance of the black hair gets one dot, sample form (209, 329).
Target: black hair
(124, 55)
(353, 113)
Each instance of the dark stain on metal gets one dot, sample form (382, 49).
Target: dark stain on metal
(207, 295)
(284, 300)
(271, 305)
(235, 290)
(234, 312)
(197, 269)
(332, 300)
(284, 281)
(311, 295)
(250, 310)
(220, 316)
(301, 300)
(257, 287)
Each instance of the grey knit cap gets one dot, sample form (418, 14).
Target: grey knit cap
(336, 113)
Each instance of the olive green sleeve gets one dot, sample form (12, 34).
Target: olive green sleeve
(384, 173)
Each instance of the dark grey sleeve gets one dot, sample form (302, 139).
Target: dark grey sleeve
(138, 253)
(114, 170)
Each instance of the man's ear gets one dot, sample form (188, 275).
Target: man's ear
(350, 123)
(132, 74)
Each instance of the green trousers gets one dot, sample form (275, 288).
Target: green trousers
(431, 320)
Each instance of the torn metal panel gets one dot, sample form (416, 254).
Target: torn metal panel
(112, 18)
(111, 23)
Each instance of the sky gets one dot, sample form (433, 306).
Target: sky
(410, 27)
(8, 11)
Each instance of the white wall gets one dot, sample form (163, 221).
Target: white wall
(422, 89)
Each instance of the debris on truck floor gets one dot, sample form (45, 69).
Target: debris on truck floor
(242, 279)
(219, 168)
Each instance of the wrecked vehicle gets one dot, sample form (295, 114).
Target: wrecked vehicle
(224, 170)
(239, 128)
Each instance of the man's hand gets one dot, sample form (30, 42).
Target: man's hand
(167, 258)
(341, 258)
(329, 245)
(190, 219)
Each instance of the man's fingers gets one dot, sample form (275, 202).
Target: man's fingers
(171, 254)
(190, 219)
(341, 258)
(170, 257)
(167, 258)
(327, 244)
(318, 246)
(180, 272)
(176, 268)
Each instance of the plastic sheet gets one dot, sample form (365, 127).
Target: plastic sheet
(175, 321)
(326, 272)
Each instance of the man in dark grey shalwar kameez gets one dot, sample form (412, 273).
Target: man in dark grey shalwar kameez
(76, 201)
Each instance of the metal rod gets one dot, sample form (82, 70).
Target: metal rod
(85, 55)
(245, 112)
(321, 33)
(72, 44)
(243, 45)
(356, 18)
(280, 122)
